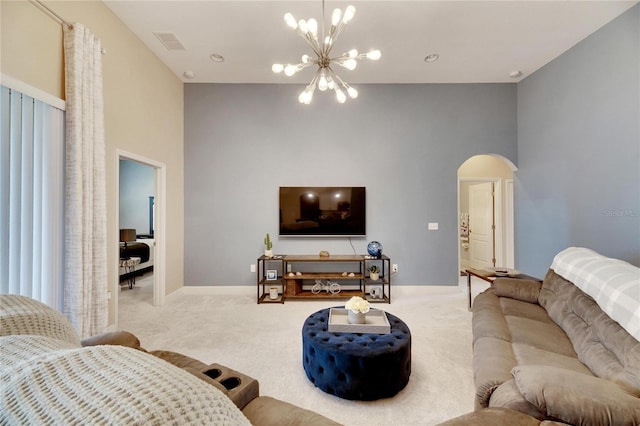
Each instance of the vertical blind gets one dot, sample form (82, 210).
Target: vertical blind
(32, 164)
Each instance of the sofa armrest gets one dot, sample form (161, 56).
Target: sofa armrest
(238, 387)
(267, 411)
(519, 289)
(118, 338)
(577, 398)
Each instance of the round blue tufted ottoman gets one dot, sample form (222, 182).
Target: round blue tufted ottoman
(360, 366)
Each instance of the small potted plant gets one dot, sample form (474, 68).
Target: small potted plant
(374, 272)
(268, 246)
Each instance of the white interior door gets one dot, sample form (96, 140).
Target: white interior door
(481, 225)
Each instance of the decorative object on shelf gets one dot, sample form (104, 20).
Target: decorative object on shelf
(330, 287)
(273, 293)
(269, 246)
(376, 292)
(325, 77)
(272, 274)
(357, 309)
(374, 248)
(374, 272)
(324, 253)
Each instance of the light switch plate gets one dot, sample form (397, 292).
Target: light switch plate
(433, 226)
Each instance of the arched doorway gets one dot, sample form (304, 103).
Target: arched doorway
(485, 212)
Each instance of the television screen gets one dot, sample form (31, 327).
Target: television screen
(322, 211)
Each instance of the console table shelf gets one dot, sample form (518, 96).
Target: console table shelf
(299, 277)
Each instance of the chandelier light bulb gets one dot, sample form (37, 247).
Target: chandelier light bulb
(350, 64)
(290, 70)
(306, 59)
(307, 95)
(335, 18)
(327, 41)
(374, 55)
(312, 26)
(349, 12)
(353, 53)
(330, 83)
(323, 84)
(277, 68)
(290, 20)
(340, 96)
(302, 26)
(353, 93)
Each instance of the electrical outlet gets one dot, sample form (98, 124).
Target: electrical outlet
(394, 268)
(252, 268)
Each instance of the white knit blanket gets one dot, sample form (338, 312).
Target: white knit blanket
(46, 381)
(612, 283)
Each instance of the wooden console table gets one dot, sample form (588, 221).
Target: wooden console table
(294, 277)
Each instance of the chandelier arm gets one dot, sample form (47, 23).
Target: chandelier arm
(311, 42)
(334, 76)
(340, 81)
(315, 78)
(338, 30)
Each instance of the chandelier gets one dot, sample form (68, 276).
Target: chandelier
(325, 77)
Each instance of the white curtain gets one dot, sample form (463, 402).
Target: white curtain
(85, 290)
(31, 198)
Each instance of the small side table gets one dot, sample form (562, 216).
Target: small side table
(129, 266)
(490, 276)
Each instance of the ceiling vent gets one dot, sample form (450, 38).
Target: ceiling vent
(170, 41)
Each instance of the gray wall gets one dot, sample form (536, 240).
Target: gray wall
(578, 182)
(403, 142)
(137, 184)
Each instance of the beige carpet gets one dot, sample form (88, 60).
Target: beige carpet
(225, 325)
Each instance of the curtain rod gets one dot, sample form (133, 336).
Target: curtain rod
(53, 13)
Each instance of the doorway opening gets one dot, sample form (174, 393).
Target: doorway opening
(485, 213)
(141, 212)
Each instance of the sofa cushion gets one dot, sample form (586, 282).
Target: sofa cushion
(507, 395)
(527, 355)
(544, 335)
(612, 283)
(600, 342)
(577, 398)
(525, 290)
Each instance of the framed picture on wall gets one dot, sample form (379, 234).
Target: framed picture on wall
(272, 274)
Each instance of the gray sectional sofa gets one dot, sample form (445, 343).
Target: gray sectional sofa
(553, 351)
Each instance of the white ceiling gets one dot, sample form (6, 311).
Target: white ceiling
(478, 41)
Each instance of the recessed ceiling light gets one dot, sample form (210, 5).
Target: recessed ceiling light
(515, 74)
(432, 57)
(216, 58)
(188, 74)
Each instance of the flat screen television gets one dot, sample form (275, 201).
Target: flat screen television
(326, 211)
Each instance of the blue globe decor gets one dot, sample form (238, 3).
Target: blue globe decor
(374, 249)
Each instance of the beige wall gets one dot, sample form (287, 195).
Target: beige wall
(143, 102)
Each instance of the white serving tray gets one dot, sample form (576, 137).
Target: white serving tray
(376, 322)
